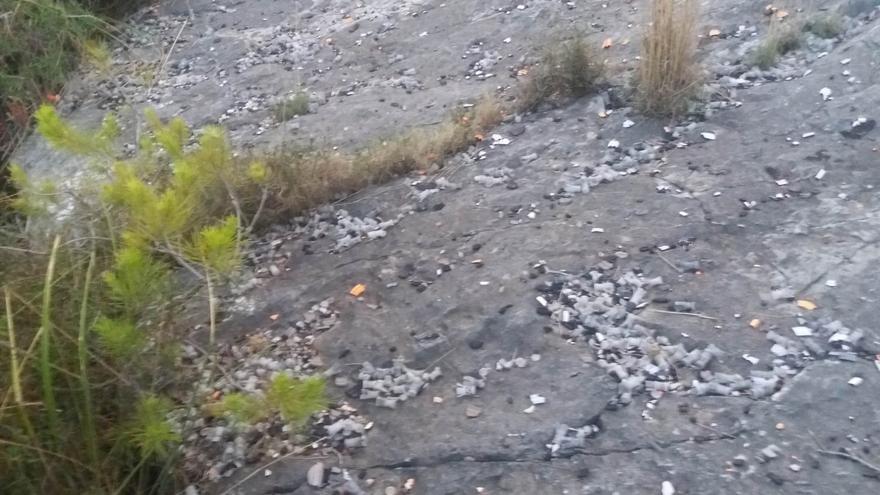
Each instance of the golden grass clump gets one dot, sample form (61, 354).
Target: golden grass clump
(302, 179)
(669, 75)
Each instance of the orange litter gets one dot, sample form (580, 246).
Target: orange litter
(357, 290)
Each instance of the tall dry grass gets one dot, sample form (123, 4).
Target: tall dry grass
(669, 74)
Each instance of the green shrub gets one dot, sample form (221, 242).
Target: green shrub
(108, 399)
(291, 107)
(293, 398)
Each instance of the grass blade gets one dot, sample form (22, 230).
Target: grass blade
(46, 376)
(87, 423)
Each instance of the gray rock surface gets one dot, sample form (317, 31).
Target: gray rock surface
(779, 208)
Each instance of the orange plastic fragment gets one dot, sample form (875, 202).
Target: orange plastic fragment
(805, 304)
(357, 290)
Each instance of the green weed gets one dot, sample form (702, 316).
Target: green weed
(291, 107)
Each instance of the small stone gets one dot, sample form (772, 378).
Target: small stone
(780, 426)
(666, 488)
(769, 452)
(472, 411)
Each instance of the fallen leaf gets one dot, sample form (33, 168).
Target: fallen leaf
(357, 290)
(607, 43)
(479, 137)
(805, 304)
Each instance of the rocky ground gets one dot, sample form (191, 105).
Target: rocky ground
(589, 301)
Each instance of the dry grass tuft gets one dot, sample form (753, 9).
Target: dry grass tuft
(825, 26)
(669, 74)
(571, 68)
(782, 38)
(302, 179)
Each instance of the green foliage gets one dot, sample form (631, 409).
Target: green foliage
(149, 428)
(96, 54)
(291, 107)
(216, 246)
(120, 338)
(31, 199)
(64, 136)
(242, 407)
(39, 45)
(136, 280)
(172, 137)
(296, 399)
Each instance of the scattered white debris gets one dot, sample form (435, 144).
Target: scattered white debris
(498, 139)
(708, 136)
(831, 283)
(597, 230)
(820, 174)
(666, 488)
(315, 475)
(802, 331)
(855, 381)
(537, 399)
(529, 410)
(782, 182)
(751, 359)
(614, 144)
(683, 213)
(845, 61)
(826, 94)
(807, 135)
(795, 467)
(628, 123)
